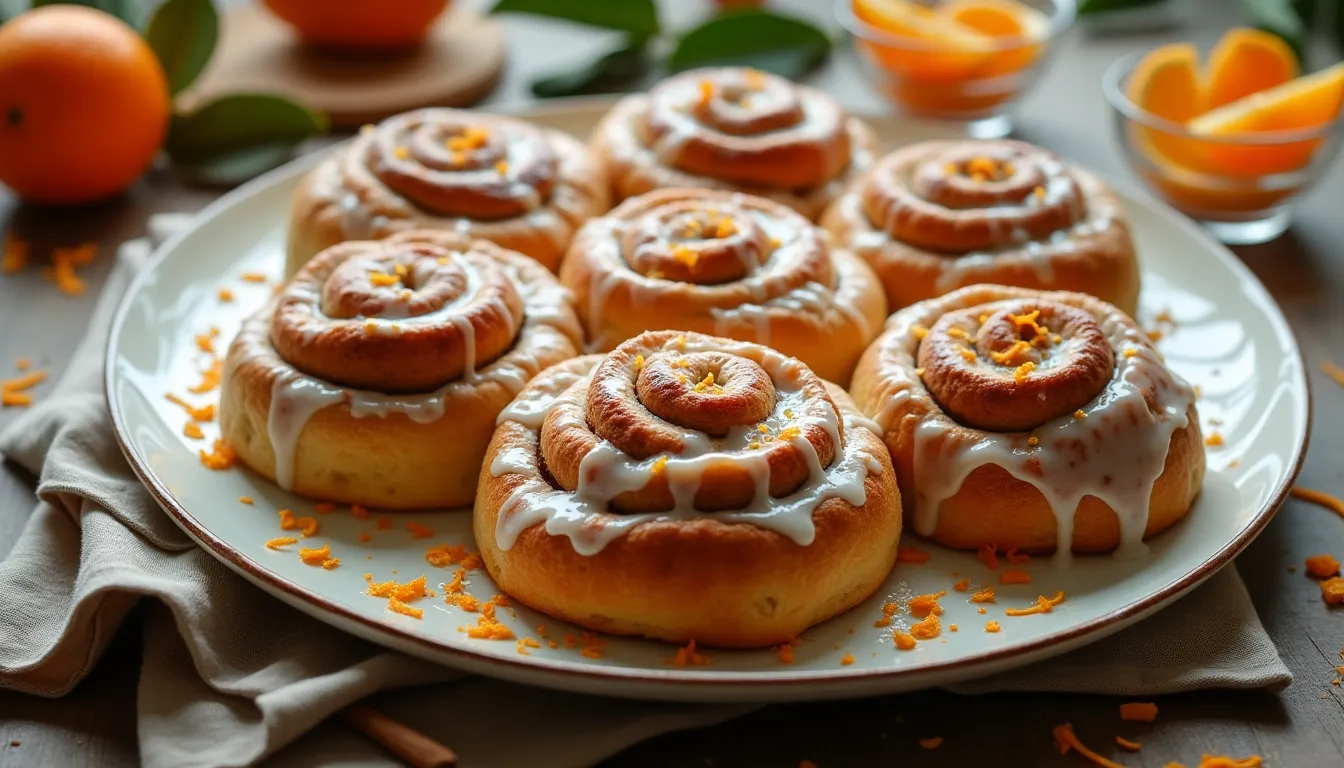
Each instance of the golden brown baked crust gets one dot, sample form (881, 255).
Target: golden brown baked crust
(495, 178)
(721, 578)
(727, 264)
(376, 375)
(939, 215)
(1072, 414)
(735, 129)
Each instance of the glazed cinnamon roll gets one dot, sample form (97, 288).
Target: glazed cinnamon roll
(737, 129)
(687, 487)
(1028, 420)
(724, 263)
(939, 215)
(521, 186)
(376, 375)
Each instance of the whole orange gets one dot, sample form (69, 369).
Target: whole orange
(359, 24)
(84, 105)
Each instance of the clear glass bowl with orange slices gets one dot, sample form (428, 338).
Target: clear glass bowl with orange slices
(1233, 141)
(965, 61)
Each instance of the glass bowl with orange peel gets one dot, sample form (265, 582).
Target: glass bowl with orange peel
(1230, 143)
(963, 61)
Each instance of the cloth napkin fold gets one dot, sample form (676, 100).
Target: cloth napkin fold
(232, 676)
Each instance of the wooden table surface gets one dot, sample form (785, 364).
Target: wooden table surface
(1302, 726)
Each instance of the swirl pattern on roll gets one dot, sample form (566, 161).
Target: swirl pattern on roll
(413, 339)
(939, 215)
(728, 264)
(736, 129)
(522, 186)
(680, 425)
(1062, 392)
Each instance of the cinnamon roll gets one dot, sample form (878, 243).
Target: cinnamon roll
(376, 375)
(738, 129)
(724, 263)
(687, 487)
(939, 215)
(1028, 420)
(519, 185)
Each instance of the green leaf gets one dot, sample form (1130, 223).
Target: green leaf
(183, 35)
(780, 44)
(127, 10)
(638, 17)
(1279, 17)
(603, 73)
(237, 137)
(1102, 6)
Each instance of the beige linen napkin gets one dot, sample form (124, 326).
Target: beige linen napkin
(231, 676)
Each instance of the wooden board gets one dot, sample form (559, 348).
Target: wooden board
(457, 64)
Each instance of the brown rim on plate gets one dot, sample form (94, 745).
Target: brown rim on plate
(675, 684)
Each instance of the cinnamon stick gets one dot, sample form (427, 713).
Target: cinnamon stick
(413, 747)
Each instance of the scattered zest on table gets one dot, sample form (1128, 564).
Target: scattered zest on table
(931, 743)
(1320, 498)
(1126, 744)
(1333, 371)
(14, 257)
(14, 392)
(1138, 712)
(1066, 740)
(1322, 566)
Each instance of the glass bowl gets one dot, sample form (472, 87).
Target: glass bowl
(1240, 187)
(973, 85)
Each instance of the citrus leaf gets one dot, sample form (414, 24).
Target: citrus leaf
(237, 137)
(780, 44)
(603, 73)
(1280, 17)
(1102, 6)
(638, 17)
(183, 35)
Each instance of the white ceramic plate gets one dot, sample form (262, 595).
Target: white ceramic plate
(1229, 339)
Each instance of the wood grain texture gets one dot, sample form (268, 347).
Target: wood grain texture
(1299, 727)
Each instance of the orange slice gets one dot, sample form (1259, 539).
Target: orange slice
(941, 49)
(1001, 19)
(1306, 102)
(1246, 61)
(1166, 83)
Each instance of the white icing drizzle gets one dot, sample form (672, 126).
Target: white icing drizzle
(1116, 453)
(296, 396)
(605, 472)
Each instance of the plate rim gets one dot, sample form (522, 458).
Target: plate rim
(543, 672)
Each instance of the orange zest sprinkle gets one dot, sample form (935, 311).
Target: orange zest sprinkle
(932, 743)
(911, 555)
(904, 641)
(1322, 566)
(962, 586)
(22, 364)
(1080, 414)
(331, 563)
(986, 555)
(1332, 591)
(1333, 371)
(526, 643)
(967, 354)
(847, 659)
(488, 627)
(384, 523)
(985, 595)
(688, 656)
(919, 331)
(706, 92)
(1223, 761)
(358, 512)
(408, 592)
(419, 531)
(225, 295)
(253, 277)
(365, 537)
(210, 378)
(1067, 740)
(1043, 604)
(927, 629)
(442, 555)
(1013, 576)
(245, 500)
(502, 167)
(1023, 371)
(1214, 440)
(13, 392)
(193, 430)
(1126, 744)
(1320, 498)
(383, 279)
(396, 606)
(204, 413)
(220, 457)
(785, 651)
(1011, 355)
(14, 257)
(315, 556)
(888, 610)
(992, 626)
(324, 507)
(1014, 558)
(726, 227)
(1138, 712)
(926, 605)
(282, 541)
